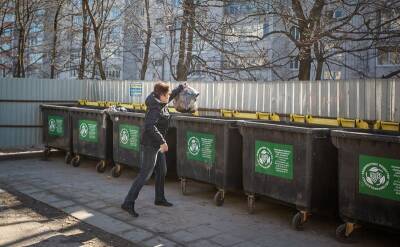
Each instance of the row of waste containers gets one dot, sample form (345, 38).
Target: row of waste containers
(314, 168)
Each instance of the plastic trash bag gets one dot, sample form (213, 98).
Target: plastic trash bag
(186, 100)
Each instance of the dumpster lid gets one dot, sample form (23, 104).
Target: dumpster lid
(203, 119)
(283, 126)
(127, 114)
(371, 135)
(84, 109)
(58, 106)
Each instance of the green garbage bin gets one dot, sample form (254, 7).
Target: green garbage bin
(91, 136)
(209, 150)
(369, 179)
(291, 163)
(57, 131)
(127, 131)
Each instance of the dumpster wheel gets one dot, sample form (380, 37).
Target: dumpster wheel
(68, 158)
(75, 162)
(251, 203)
(299, 219)
(344, 231)
(116, 170)
(183, 186)
(219, 197)
(46, 153)
(101, 166)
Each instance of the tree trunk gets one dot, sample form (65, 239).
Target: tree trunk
(20, 69)
(318, 51)
(190, 29)
(84, 42)
(181, 67)
(97, 53)
(305, 64)
(97, 38)
(147, 44)
(55, 37)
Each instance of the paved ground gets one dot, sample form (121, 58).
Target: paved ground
(28, 222)
(193, 221)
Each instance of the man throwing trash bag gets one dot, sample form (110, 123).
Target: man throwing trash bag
(153, 146)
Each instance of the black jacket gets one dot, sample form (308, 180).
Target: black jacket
(157, 118)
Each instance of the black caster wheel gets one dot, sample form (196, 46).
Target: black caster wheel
(101, 166)
(75, 162)
(183, 186)
(68, 158)
(219, 198)
(116, 171)
(251, 205)
(344, 233)
(46, 154)
(297, 221)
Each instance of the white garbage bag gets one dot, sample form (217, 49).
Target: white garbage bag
(186, 100)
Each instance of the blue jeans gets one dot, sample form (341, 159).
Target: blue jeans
(151, 159)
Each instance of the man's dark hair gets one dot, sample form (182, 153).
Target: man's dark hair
(161, 88)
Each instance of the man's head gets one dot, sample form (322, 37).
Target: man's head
(161, 91)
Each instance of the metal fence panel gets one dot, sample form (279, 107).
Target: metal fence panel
(364, 99)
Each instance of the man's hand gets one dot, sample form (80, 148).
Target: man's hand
(164, 148)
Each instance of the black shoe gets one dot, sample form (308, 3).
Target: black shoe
(130, 209)
(164, 203)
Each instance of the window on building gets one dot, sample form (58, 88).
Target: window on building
(115, 13)
(7, 32)
(160, 41)
(158, 62)
(159, 1)
(388, 56)
(338, 13)
(266, 25)
(139, 53)
(77, 20)
(159, 21)
(141, 11)
(9, 18)
(35, 58)
(294, 63)
(116, 33)
(177, 3)
(5, 47)
(332, 75)
(295, 32)
(390, 19)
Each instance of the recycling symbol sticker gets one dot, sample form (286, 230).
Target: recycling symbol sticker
(375, 176)
(124, 136)
(52, 125)
(83, 129)
(264, 157)
(194, 145)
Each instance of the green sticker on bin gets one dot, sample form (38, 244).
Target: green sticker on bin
(274, 159)
(56, 125)
(379, 177)
(129, 136)
(88, 131)
(200, 147)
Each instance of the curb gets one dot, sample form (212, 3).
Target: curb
(26, 155)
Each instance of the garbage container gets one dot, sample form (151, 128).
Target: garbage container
(91, 136)
(290, 163)
(127, 131)
(369, 179)
(209, 150)
(57, 130)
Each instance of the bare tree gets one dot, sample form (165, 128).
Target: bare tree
(24, 15)
(147, 44)
(59, 5)
(98, 14)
